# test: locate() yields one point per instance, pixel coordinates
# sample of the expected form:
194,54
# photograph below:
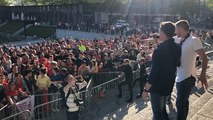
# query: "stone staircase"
3,24
202,109
22,29
201,105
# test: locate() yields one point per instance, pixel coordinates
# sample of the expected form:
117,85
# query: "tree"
49,2
209,4
3,2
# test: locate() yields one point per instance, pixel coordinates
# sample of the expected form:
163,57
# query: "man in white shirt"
140,55
186,72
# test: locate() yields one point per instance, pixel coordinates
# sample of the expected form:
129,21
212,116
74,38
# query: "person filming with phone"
71,94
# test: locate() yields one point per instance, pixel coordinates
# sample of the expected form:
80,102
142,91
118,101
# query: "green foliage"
40,31
209,3
4,38
55,2
3,2
11,27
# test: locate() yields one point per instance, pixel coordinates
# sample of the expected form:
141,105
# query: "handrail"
4,107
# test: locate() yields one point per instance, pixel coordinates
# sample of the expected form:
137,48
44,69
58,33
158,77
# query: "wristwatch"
146,90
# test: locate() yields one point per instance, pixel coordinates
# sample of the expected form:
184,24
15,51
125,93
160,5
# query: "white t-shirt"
188,58
139,56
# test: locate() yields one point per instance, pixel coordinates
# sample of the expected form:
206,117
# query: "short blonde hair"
183,24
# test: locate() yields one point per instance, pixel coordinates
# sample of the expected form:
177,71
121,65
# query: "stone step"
206,112
197,105
3,24
22,29
142,111
136,111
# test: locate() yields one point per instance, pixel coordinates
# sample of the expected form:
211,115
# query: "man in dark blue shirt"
165,60
127,69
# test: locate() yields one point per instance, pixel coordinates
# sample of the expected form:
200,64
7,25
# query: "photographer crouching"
71,95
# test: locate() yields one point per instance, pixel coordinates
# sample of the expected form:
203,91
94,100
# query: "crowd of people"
44,68
51,66
108,28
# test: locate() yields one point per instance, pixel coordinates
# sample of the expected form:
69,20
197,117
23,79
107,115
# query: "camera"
78,102
78,79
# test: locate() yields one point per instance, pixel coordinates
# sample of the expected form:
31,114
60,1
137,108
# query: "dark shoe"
119,96
138,96
129,101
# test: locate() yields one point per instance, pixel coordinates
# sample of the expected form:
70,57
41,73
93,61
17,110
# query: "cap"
64,69
84,61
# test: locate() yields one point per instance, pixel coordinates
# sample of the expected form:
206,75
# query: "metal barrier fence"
102,77
43,111
23,115
3,112
42,98
54,109
207,47
102,90
7,111
101,86
210,55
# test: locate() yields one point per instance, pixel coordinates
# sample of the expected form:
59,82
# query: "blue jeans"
159,107
183,91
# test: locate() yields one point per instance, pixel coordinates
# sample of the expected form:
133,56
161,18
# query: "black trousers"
159,106
72,115
183,91
129,87
142,82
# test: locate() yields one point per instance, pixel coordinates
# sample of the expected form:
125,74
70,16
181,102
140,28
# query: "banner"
26,104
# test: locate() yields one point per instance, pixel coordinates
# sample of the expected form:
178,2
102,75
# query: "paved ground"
140,110
60,33
80,35
113,108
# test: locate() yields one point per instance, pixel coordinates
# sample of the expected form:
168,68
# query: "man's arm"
204,59
153,74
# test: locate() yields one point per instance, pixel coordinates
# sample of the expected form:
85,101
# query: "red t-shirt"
45,62
20,86
13,93
50,72
4,83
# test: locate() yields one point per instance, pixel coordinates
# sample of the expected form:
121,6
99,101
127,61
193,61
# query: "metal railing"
54,109
39,97
45,110
8,110
23,115
102,77
207,47
3,111
102,90
210,55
